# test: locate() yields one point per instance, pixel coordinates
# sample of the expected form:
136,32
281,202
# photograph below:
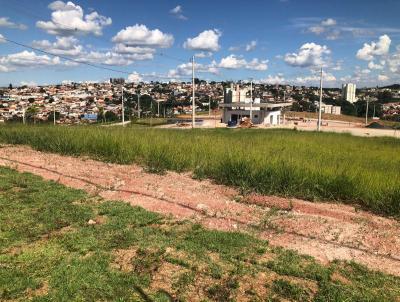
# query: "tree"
111,116
31,113
385,96
10,86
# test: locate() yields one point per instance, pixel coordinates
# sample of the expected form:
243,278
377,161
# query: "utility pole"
209,105
158,108
251,100
123,106
193,96
23,115
138,100
54,114
320,104
366,114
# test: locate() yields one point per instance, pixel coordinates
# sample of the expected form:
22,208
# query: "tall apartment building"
349,92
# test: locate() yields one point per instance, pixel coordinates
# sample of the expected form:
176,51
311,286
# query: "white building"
237,106
349,92
330,109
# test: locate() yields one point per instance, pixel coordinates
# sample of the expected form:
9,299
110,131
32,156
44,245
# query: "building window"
256,116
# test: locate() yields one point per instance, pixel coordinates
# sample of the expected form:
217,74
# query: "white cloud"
234,48
383,78
203,54
185,69
4,68
273,80
112,58
372,65
29,83
251,46
369,51
134,77
314,79
328,22
177,11
208,40
234,62
124,49
394,61
27,59
68,19
66,46
325,27
309,55
5,22
140,35
2,39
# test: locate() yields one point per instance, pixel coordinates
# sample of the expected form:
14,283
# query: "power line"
82,62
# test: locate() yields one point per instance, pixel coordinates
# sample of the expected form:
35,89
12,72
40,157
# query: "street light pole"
209,105
54,114
23,115
366,114
123,106
320,104
138,100
251,100
193,96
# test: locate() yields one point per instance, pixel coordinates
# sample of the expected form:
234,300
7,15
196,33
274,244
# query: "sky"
269,41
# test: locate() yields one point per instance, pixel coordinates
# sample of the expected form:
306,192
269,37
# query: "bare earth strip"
324,230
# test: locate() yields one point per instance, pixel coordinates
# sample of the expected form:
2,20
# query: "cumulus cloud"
394,61
328,22
68,19
325,27
28,83
372,65
309,55
112,58
177,11
314,79
383,78
140,35
203,54
185,69
273,80
68,46
124,49
2,39
134,77
27,59
369,51
234,62
5,22
208,40
251,46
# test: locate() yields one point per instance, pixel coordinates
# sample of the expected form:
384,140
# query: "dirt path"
325,231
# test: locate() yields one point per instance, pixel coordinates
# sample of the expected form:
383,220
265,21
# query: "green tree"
31,113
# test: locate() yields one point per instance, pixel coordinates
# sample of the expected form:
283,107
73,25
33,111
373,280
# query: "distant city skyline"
272,42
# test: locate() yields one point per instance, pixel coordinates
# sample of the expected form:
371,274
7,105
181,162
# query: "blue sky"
271,41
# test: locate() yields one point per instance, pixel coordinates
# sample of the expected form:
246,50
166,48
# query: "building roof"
255,105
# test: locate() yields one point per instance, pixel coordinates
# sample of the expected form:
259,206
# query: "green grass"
312,166
48,252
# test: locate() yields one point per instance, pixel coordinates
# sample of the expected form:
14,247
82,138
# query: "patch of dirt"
338,277
123,259
326,231
39,292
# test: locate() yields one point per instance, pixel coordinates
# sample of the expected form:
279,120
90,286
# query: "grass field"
342,118
49,252
312,166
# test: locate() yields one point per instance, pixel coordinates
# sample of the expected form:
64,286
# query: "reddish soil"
326,231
